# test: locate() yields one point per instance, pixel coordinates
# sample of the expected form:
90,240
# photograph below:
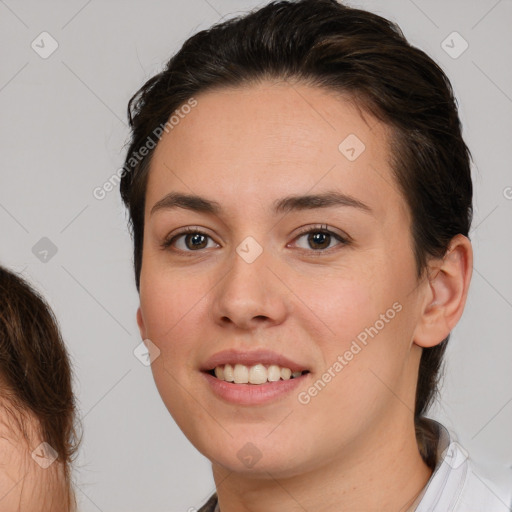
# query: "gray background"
62,134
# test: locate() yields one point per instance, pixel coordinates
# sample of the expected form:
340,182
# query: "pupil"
195,237
316,240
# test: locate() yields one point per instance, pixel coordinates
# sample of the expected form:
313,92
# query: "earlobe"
140,323
448,284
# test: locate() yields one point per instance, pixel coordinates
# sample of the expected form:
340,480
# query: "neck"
385,475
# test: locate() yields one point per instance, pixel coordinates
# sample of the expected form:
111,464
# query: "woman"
38,434
300,198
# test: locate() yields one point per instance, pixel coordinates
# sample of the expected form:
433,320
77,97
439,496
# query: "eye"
193,240
319,238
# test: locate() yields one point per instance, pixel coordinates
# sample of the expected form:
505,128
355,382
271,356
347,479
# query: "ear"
446,293
140,323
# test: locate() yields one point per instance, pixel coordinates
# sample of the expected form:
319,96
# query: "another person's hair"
344,50
36,399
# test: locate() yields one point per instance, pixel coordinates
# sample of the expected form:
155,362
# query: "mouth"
253,378
257,374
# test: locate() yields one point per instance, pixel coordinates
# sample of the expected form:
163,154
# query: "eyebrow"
290,203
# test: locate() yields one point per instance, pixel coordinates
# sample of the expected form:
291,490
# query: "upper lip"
250,358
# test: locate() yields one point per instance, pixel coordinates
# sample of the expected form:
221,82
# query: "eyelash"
324,229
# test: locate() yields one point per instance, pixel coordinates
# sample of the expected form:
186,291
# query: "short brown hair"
327,44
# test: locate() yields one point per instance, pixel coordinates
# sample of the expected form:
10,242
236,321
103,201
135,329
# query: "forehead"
257,143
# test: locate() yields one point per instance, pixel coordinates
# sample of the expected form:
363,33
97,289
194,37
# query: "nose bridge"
249,289
248,279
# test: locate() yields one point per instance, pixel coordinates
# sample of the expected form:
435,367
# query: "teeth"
273,373
241,374
228,373
256,374
286,373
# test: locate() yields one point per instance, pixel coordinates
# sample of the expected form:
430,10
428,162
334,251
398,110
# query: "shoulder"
457,486
479,493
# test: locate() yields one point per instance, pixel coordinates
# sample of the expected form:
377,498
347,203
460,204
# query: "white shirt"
455,486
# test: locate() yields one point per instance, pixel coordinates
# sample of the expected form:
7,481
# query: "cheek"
166,299
361,328
344,302
170,305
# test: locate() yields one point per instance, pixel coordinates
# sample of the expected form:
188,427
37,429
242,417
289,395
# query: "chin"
263,468
260,456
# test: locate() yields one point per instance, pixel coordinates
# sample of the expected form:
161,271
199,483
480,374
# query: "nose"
251,294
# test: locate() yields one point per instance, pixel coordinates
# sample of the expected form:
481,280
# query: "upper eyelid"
323,227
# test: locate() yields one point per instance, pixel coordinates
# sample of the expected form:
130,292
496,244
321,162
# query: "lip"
253,394
265,357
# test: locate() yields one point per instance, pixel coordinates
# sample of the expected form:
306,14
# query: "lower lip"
253,394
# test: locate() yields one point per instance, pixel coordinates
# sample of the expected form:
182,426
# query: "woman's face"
252,286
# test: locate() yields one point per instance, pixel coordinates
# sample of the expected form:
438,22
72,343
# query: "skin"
352,447
24,484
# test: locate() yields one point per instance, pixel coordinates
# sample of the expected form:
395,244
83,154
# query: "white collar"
454,485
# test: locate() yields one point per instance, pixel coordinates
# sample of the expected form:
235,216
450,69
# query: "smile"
256,374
